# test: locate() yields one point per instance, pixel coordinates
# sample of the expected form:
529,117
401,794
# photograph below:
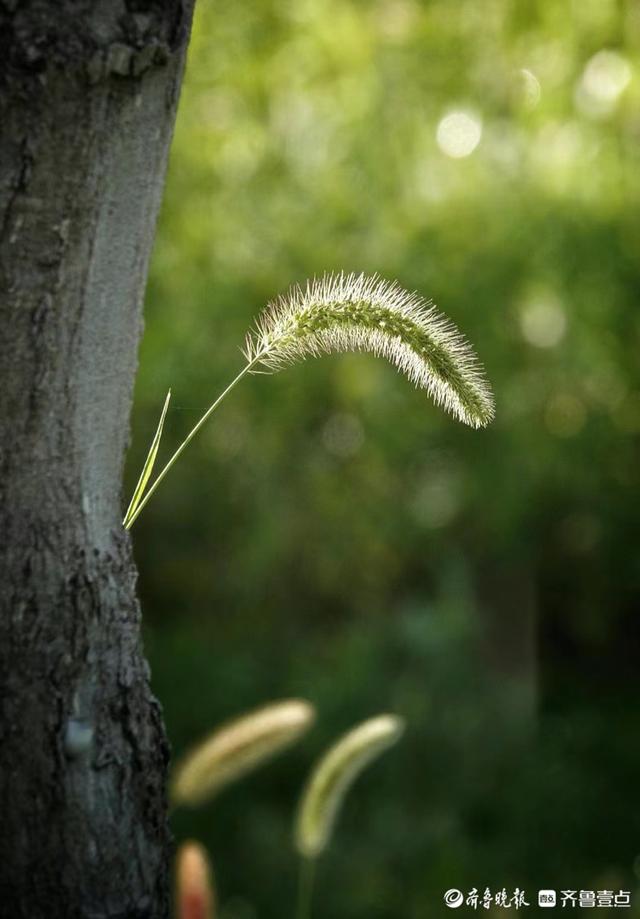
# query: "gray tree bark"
88,92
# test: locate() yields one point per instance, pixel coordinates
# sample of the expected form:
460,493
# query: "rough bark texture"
88,90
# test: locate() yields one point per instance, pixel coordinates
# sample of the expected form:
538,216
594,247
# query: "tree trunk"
88,92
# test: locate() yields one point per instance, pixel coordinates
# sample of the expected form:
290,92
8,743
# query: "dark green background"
331,534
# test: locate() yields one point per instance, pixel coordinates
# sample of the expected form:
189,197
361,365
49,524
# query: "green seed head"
357,313
238,748
334,775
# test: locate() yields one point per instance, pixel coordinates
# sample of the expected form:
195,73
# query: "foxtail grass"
326,789
195,898
349,312
333,776
237,748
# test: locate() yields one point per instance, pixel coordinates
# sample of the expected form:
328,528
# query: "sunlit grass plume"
237,748
334,775
349,312
326,789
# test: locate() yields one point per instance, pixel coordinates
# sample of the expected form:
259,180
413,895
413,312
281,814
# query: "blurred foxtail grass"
327,788
195,895
237,748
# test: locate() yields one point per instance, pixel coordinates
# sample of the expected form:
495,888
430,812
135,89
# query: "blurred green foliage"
331,534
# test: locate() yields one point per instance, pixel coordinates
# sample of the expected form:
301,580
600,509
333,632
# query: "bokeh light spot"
604,79
396,19
543,322
529,90
438,499
458,134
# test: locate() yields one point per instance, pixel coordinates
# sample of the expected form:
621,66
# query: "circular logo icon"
453,898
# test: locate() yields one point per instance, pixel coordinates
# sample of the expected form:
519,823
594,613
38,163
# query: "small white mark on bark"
16,228
119,59
78,737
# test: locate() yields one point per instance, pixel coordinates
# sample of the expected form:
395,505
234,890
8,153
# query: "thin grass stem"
306,877
130,520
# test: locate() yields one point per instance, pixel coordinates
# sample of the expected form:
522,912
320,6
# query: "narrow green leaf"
147,469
